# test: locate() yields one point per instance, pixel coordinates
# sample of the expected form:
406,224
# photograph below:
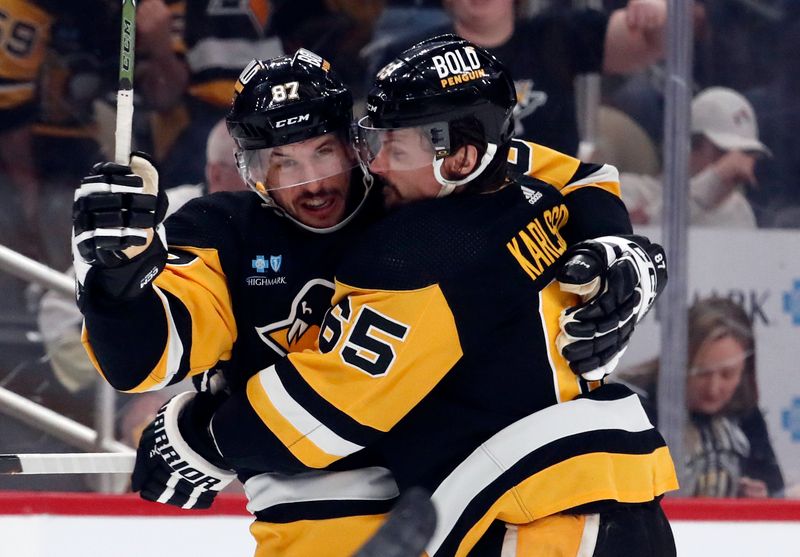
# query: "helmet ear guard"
449,185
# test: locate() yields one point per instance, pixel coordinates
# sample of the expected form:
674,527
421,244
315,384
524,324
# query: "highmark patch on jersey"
300,329
267,270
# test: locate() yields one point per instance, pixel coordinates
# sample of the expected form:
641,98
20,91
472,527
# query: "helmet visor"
296,164
403,148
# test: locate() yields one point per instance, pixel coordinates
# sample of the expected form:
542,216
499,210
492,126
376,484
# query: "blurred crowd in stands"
58,81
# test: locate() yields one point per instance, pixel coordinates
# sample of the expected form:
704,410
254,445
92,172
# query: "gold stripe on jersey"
627,478
202,288
583,431
23,40
543,163
218,92
429,349
606,178
416,362
333,537
552,301
578,481
90,351
560,170
309,440
168,363
12,96
559,534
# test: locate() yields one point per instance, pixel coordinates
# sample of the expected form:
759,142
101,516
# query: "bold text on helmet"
462,78
455,62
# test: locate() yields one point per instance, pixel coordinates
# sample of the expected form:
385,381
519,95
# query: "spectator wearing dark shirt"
546,52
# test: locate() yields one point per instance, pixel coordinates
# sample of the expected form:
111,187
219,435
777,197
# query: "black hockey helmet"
434,83
285,101
288,99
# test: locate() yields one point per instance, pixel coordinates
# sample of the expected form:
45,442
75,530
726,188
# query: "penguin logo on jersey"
300,330
528,101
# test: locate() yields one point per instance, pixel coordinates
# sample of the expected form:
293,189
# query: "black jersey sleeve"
591,191
185,323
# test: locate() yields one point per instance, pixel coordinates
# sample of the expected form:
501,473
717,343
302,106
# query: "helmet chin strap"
449,185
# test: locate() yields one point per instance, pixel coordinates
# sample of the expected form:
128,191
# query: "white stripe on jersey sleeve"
510,445
174,343
365,484
604,174
315,431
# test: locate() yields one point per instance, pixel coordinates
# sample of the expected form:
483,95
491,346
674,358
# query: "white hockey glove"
169,468
117,237
618,279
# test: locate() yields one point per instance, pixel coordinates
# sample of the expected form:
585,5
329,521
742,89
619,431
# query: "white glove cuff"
176,451
644,266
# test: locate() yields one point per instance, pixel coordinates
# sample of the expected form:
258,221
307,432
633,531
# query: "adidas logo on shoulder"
530,195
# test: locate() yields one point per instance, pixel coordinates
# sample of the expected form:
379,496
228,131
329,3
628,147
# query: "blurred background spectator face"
221,171
721,377
722,121
486,14
715,374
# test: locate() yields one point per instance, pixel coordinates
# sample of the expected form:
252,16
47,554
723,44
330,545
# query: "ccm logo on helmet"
457,66
292,120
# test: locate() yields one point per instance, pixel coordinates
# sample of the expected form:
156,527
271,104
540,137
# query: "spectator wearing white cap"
725,147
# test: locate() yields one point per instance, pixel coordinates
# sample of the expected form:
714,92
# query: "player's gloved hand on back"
117,230
618,279
173,461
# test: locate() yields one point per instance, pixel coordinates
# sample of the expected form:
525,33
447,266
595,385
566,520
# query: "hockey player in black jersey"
191,288
232,283
441,353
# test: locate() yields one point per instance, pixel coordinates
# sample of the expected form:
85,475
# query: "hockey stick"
408,529
67,463
127,45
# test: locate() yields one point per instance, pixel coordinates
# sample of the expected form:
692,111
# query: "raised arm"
151,318
635,37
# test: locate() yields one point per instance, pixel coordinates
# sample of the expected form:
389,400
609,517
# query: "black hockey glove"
169,467
117,237
618,278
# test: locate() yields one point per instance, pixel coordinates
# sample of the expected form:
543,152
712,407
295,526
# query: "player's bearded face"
403,159
310,179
